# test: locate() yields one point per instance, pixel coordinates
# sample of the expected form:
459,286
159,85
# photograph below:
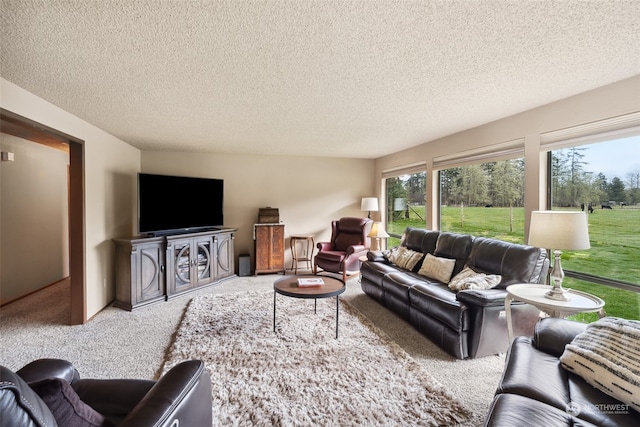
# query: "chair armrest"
42,369
181,397
354,249
551,334
482,297
325,246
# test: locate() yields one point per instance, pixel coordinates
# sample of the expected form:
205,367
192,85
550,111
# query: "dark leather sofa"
536,390
181,397
469,323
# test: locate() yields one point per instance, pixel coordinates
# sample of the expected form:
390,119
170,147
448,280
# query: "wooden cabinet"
140,273
192,261
269,248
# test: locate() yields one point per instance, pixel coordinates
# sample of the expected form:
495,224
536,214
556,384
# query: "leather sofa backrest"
421,240
455,246
514,262
20,405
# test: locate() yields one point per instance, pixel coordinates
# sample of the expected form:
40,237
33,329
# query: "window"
602,179
484,199
405,204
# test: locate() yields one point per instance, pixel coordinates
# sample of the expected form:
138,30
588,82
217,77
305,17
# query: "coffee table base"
315,310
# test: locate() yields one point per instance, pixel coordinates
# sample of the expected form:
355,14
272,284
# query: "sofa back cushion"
20,405
455,246
515,263
420,240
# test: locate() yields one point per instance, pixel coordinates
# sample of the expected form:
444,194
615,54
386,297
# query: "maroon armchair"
348,243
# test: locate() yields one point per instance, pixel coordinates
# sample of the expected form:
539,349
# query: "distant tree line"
501,184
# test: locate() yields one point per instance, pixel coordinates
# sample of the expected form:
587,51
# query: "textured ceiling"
313,78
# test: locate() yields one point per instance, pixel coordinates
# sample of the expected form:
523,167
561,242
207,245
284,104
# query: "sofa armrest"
551,334
376,256
42,369
181,397
482,297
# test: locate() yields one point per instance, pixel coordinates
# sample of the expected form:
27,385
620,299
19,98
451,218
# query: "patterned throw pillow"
469,279
404,258
606,356
437,268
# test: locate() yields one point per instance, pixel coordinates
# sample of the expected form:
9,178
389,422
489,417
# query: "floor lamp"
369,204
558,230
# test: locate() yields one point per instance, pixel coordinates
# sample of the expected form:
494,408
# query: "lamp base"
558,294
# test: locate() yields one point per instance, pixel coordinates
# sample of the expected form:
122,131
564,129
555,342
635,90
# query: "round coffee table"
288,286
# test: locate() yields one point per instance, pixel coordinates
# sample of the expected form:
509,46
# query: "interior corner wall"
309,192
110,168
34,233
606,102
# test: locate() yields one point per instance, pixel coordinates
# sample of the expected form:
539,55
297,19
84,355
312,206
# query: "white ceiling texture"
357,79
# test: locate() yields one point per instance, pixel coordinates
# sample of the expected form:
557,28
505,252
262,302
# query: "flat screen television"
172,204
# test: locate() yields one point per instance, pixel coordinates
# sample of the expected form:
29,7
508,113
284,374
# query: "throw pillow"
469,279
437,268
66,406
606,356
405,258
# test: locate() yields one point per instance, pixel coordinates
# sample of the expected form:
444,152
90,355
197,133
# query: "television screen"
178,203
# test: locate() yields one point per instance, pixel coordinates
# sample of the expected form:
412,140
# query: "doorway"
24,128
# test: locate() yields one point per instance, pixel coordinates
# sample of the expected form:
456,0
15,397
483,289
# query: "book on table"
308,282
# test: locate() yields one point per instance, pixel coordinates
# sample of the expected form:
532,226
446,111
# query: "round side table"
580,302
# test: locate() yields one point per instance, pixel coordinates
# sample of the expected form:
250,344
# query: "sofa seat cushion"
375,271
437,300
397,284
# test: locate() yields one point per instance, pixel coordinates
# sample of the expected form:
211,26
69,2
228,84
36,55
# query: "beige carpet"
301,374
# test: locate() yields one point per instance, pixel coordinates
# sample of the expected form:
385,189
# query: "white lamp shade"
369,204
559,230
378,231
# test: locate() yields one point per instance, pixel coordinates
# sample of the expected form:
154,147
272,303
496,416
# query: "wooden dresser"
269,248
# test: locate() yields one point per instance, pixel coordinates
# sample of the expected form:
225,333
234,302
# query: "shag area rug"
301,375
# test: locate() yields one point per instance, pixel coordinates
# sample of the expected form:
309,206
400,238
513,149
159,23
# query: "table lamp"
369,204
558,230
377,232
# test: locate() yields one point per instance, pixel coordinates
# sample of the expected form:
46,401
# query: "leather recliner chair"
349,241
181,397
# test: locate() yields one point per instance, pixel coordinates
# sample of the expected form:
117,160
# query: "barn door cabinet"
269,248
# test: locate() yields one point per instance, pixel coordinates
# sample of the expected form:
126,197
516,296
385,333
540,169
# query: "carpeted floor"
121,344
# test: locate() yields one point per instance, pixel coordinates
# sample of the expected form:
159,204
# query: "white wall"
34,233
109,187
309,192
610,101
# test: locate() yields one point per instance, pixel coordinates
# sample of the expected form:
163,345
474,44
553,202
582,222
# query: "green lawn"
614,253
